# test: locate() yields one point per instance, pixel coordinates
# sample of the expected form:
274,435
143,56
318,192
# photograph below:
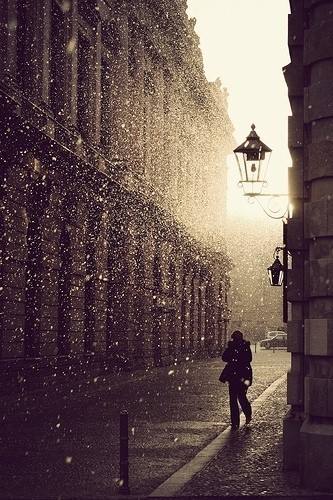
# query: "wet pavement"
249,462
64,442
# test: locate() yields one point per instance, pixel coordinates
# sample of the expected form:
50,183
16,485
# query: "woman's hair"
237,335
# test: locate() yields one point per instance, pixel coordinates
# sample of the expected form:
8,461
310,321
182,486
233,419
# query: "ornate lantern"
252,158
276,270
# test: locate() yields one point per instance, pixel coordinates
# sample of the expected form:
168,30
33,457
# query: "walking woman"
238,373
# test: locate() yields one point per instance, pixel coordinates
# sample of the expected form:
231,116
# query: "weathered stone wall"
111,141
308,427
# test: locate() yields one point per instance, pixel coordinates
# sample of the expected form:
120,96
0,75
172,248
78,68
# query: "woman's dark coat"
238,356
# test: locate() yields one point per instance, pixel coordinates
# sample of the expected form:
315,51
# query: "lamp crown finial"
253,126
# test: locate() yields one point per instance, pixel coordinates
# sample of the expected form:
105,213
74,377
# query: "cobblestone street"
251,463
66,443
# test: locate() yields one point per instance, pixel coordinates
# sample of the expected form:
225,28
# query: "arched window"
57,60
118,341
157,273
192,313
200,316
22,43
157,320
38,199
139,292
183,311
91,279
2,245
106,117
172,335
64,292
89,294
33,288
83,82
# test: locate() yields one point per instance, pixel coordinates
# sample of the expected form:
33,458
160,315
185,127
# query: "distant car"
272,334
279,339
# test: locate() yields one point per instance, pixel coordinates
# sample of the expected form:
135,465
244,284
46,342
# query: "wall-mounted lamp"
276,270
252,158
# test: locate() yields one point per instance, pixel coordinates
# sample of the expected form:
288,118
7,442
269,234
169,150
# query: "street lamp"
252,158
276,270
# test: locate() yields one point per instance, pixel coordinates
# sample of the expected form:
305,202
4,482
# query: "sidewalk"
247,462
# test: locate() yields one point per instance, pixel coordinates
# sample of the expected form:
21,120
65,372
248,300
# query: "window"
21,45
106,127
89,289
33,288
64,292
57,63
83,93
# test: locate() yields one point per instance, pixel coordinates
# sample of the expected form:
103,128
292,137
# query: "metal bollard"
123,455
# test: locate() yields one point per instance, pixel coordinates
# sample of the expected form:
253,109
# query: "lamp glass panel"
275,276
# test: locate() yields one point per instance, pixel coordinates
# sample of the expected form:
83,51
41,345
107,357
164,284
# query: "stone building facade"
308,427
113,189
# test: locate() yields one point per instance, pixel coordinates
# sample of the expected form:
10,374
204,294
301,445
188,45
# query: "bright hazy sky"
244,43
